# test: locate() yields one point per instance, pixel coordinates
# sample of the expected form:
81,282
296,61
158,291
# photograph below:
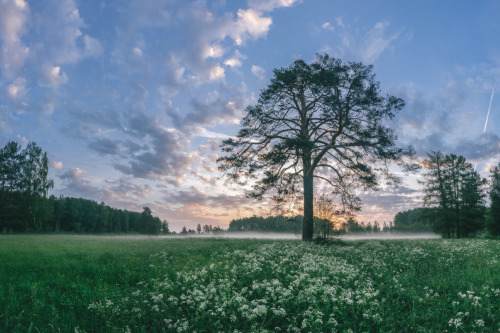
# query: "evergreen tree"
325,121
149,224
184,231
493,216
456,191
24,187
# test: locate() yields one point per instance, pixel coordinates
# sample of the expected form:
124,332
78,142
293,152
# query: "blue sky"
130,99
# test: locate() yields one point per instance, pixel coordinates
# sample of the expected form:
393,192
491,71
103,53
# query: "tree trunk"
308,224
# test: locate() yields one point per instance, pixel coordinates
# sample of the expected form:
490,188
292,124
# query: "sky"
131,98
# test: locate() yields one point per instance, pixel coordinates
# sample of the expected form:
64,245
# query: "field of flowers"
374,286
209,285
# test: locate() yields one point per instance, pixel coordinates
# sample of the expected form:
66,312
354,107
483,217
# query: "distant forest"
322,227
75,215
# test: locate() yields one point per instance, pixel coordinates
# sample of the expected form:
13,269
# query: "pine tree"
493,216
323,122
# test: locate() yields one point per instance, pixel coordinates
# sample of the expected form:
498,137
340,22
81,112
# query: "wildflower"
457,322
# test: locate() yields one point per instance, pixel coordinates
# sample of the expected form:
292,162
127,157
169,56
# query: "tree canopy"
455,189
23,184
324,121
493,216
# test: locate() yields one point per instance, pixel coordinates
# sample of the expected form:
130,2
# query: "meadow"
51,283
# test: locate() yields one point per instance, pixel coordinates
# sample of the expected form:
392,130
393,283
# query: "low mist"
275,235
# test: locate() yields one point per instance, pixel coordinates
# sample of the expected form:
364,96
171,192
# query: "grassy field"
113,284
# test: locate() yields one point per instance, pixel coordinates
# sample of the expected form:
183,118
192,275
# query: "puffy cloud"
213,51
268,5
235,60
57,165
13,19
165,155
250,24
61,28
125,188
76,185
327,26
259,72
52,76
210,74
74,173
17,89
218,107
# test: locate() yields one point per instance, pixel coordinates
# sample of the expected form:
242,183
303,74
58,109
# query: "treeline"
455,193
322,227
77,215
206,229
26,207
413,220
267,224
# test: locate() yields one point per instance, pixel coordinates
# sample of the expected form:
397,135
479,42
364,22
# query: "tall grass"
102,284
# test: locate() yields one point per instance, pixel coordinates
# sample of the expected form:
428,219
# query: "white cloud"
376,42
13,18
213,51
216,73
62,28
203,132
259,72
327,26
52,76
233,62
213,73
268,5
250,24
57,165
17,89
137,52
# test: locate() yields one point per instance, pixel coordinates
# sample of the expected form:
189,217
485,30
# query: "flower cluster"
303,287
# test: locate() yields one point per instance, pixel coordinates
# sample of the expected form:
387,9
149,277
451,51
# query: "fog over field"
271,235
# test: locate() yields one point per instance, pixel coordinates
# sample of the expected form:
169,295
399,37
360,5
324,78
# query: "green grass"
113,284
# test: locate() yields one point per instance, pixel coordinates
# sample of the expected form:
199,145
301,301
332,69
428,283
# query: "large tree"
324,121
493,217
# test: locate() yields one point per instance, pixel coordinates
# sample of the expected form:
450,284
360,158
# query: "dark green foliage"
455,191
24,187
150,224
267,224
323,228
86,216
493,216
26,207
324,122
414,220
